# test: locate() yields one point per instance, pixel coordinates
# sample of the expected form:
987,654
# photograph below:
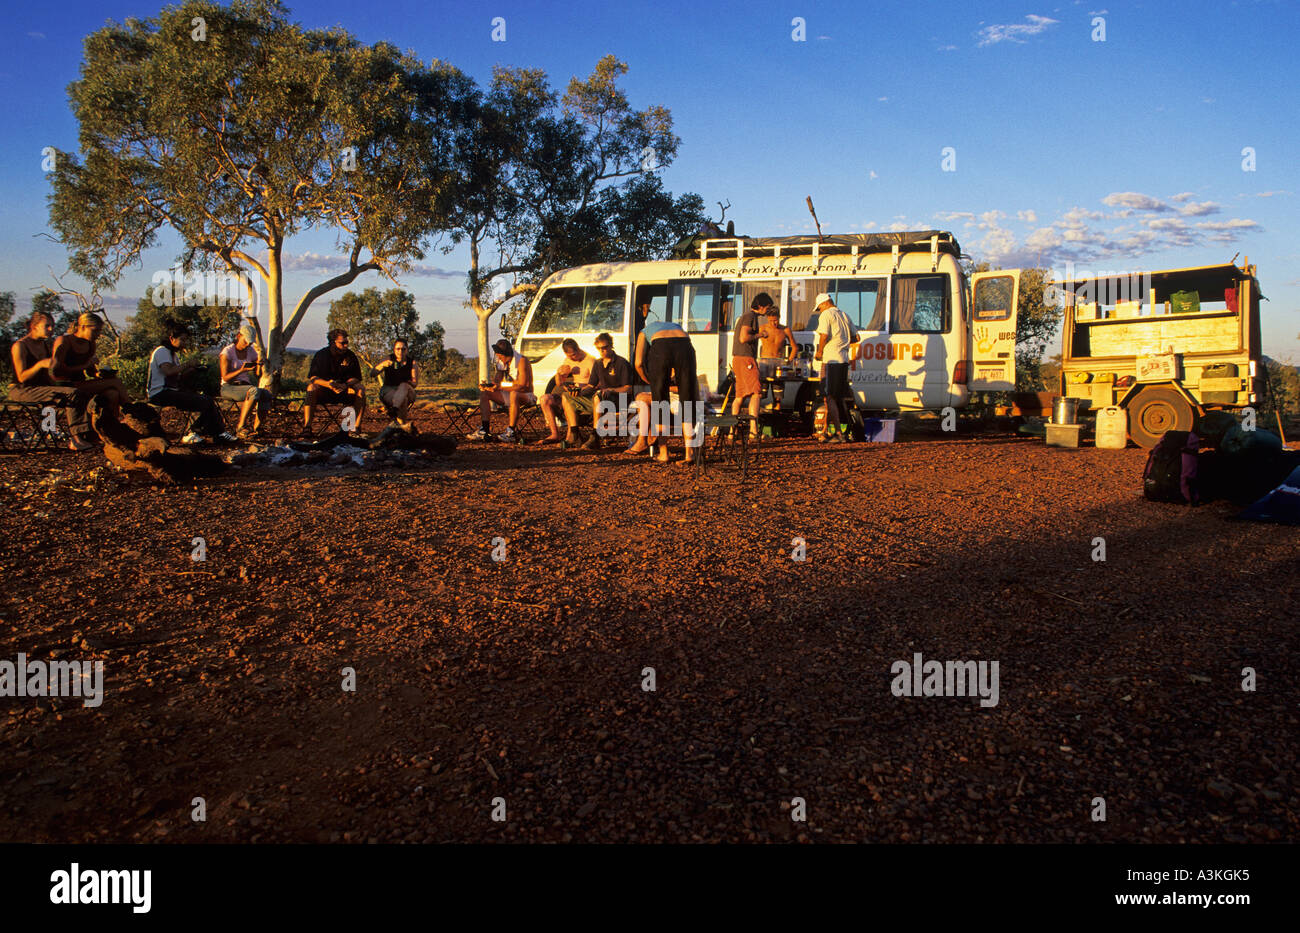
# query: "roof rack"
857,245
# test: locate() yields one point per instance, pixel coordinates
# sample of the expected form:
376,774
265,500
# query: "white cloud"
1237,223
1132,199
1044,238
882,99
318,264
1199,210
947,48
1076,234
1183,196
1014,32
1269,194
36,35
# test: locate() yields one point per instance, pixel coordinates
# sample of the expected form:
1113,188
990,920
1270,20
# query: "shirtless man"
773,337
575,372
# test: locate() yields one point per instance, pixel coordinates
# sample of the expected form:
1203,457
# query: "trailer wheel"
1156,410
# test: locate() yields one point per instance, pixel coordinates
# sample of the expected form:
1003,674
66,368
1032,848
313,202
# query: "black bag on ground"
1171,471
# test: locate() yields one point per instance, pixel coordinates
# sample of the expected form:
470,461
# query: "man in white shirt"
165,372
835,336
512,387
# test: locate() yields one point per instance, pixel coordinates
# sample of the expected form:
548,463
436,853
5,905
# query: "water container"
1112,427
1065,410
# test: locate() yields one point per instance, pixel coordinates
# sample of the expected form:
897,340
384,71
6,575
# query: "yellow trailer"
1163,345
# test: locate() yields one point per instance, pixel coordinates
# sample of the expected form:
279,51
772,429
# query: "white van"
924,347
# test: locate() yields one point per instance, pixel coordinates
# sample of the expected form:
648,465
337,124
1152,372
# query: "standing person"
335,376
512,386
33,358
835,335
164,387
744,359
664,356
575,372
776,344
240,365
400,377
74,362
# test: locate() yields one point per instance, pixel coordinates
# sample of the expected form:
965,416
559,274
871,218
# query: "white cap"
821,296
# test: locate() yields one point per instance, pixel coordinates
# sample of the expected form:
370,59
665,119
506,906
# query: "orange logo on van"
892,351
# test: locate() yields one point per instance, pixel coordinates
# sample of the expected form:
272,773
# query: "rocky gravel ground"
518,685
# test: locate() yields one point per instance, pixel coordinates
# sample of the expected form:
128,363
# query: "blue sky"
1120,154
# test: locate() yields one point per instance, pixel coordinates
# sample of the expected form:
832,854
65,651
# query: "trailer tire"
1155,410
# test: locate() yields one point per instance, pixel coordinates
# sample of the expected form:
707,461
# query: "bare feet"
637,448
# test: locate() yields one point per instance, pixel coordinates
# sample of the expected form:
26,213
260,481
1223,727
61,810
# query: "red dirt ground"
522,679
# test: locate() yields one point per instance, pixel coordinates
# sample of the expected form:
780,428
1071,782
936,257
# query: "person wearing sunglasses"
335,377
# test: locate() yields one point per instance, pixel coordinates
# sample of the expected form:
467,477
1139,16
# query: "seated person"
164,388
335,376
400,376
512,386
74,362
240,365
33,358
610,381
568,376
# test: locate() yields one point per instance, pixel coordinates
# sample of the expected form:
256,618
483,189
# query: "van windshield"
579,309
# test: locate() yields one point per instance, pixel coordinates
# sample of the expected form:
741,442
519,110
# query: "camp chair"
21,426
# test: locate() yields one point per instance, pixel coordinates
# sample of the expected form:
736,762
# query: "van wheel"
1155,411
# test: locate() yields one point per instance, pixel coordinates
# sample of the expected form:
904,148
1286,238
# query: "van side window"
579,309
920,305
802,293
860,300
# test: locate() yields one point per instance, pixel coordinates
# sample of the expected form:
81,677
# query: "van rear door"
994,298
695,305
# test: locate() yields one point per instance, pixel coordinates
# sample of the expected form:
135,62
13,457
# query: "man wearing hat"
240,365
511,386
835,335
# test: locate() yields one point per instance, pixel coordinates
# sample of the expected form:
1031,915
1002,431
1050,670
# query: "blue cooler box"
879,430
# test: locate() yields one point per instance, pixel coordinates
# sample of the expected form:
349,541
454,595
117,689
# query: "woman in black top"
400,377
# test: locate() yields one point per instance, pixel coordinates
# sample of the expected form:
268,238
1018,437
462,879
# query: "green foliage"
210,325
1036,324
1283,392
550,182
240,141
374,320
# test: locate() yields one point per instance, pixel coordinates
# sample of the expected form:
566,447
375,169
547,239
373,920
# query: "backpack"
1171,471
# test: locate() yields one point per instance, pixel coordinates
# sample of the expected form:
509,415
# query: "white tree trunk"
484,352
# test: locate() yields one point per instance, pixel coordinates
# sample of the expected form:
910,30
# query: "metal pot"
1065,410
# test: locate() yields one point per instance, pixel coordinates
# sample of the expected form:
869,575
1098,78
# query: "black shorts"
836,385
330,397
672,360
